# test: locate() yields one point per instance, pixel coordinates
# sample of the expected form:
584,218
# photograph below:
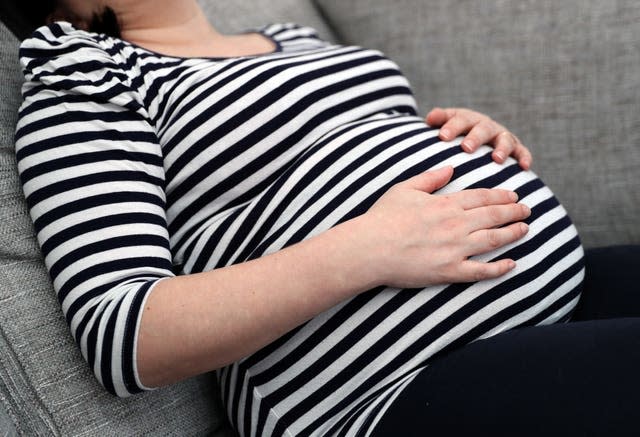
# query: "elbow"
154,363
114,384
107,337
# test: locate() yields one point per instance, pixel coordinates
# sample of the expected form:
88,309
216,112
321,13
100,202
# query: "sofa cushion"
564,76
7,429
235,16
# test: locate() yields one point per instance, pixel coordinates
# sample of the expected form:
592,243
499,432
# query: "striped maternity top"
138,166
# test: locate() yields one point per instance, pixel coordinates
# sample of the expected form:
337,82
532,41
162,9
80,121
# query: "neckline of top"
259,31
277,48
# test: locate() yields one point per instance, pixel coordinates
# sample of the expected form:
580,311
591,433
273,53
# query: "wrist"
354,252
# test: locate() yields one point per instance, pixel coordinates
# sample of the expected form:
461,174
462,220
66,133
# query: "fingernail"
467,145
444,133
524,227
513,196
512,264
500,156
526,209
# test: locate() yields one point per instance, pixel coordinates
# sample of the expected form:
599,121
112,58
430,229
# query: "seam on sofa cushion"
24,407
7,420
328,22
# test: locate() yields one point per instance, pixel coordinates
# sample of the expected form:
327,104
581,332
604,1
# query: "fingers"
453,121
488,217
479,129
507,144
430,181
459,121
472,271
469,199
523,155
437,117
486,240
483,132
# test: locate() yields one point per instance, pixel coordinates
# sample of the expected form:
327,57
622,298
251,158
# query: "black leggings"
572,379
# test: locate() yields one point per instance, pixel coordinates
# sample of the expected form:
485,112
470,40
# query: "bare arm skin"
197,323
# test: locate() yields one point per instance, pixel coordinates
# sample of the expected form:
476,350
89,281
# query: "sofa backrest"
563,75
234,16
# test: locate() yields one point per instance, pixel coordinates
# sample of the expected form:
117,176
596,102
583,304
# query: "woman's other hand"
417,239
479,129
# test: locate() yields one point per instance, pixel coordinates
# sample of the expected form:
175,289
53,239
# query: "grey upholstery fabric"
563,75
235,16
6,425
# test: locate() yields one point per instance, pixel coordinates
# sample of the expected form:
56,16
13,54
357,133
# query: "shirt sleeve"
92,172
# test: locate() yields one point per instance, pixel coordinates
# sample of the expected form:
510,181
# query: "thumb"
432,180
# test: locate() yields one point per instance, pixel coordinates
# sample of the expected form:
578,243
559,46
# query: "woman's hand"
419,239
480,129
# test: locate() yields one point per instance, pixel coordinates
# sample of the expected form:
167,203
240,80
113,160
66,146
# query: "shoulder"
59,56
292,33
60,46
59,59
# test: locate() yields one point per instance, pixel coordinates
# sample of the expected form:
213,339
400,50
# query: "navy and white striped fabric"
138,166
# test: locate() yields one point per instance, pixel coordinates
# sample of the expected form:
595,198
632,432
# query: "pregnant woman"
270,205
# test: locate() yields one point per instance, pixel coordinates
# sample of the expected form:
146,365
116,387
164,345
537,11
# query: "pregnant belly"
349,169
346,171
370,343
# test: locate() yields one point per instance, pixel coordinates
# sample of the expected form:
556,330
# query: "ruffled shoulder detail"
293,34
63,58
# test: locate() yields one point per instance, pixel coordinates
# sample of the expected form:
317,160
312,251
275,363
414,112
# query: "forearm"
196,323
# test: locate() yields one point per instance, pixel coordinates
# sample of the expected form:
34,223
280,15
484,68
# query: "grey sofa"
564,76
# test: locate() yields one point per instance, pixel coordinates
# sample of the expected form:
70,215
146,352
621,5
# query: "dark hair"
22,17
106,23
